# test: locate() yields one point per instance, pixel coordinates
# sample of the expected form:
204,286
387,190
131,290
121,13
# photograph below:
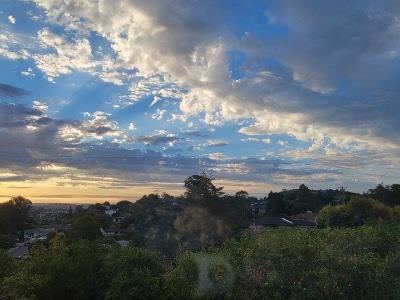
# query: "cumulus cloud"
301,95
326,77
67,56
132,126
34,147
13,46
40,106
11,19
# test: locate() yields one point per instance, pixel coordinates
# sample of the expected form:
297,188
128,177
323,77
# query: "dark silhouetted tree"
85,226
201,187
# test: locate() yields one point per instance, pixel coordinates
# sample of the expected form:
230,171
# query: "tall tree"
201,187
14,215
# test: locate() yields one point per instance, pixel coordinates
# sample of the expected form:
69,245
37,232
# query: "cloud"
99,125
282,143
132,126
11,91
214,143
40,106
196,133
301,95
34,147
11,19
159,138
159,114
67,56
253,139
28,72
266,141
319,72
14,46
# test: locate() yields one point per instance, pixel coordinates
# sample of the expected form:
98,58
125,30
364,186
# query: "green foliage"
14,215
136,273
358,211
124,206
290,202
331,263
389,195
181,281
200,188
72,271
276,204
242,194
6,265
345,263
305,264
85,226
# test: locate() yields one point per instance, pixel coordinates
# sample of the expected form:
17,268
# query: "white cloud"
40,106
132,126
188,45
159,114
10,45
28,72
159,137
95,126
266,141
218,156
67,56
11,19
282,143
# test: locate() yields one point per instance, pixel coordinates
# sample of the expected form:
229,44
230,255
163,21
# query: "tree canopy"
200,187
356,212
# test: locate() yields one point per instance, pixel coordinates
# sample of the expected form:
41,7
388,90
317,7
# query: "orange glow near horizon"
53,191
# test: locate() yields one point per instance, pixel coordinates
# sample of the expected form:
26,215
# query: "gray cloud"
214,143
336,66
11,91
196,133
31,153
331,75
158,139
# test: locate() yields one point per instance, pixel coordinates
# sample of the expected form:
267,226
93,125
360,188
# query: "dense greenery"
389,195
363,263
290,202
203,217
358,211
14,216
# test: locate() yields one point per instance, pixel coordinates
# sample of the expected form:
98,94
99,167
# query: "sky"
109,100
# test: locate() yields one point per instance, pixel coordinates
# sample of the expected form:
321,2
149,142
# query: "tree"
85,226
201,187
358,211
275,204
61,271
14,215
242,194
124,206
389,195
136,273
304,193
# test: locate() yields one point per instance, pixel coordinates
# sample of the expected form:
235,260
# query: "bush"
302,264
358,211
